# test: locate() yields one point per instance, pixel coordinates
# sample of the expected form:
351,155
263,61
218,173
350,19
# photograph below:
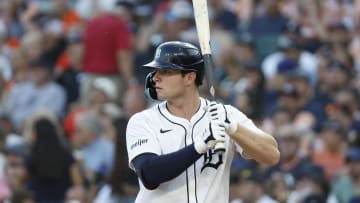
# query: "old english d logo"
212,160
158,53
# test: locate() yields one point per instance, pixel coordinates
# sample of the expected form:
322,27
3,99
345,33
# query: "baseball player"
171,145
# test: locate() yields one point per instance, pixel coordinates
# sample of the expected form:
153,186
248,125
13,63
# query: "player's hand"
216,133
218,112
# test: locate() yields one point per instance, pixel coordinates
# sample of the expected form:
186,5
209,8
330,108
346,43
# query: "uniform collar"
199,113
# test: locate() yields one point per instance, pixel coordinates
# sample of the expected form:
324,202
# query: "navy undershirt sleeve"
155,169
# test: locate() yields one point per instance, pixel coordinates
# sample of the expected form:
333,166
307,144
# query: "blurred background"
70,78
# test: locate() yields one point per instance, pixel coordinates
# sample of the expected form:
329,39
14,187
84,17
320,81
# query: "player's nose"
156,76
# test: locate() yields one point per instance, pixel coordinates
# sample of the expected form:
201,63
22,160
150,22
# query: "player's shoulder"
145,114
230,107
235,112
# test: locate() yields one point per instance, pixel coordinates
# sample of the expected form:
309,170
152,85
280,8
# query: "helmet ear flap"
150,91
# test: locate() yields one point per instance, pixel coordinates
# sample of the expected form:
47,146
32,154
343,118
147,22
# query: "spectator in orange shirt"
332,156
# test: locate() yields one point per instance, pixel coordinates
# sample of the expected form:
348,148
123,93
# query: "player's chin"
161,96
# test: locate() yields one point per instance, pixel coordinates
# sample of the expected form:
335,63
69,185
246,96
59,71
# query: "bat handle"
219,147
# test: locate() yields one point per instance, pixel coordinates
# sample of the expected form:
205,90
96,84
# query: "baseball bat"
203,31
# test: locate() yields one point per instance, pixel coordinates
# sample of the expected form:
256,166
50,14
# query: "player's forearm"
154,169
259,146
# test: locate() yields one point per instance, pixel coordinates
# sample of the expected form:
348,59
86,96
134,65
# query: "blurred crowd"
70,78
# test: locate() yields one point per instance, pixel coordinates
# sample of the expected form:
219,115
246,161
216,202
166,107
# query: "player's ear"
190,78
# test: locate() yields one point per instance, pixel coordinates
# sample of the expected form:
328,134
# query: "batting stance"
171,145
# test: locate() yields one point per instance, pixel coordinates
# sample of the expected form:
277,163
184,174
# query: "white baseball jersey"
157,131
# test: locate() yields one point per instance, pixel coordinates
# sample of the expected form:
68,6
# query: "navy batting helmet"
176,55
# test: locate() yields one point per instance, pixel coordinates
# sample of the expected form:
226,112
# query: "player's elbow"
270,156
150,185
274,157
273,153
142,169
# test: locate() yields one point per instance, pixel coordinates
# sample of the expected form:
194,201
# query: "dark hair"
121,174
48,154
199,76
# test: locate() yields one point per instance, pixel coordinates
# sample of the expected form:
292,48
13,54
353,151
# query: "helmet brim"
161,65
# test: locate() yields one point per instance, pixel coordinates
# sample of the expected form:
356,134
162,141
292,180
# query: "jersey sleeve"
140,138
237,116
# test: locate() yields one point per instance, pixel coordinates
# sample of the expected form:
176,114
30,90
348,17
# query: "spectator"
244,48
14,23
279,118
224,18
349,97
266,26
291,163
181,16
108,113
5,123
119,189
20,66
233,74
232,62
108,52
5,66
103,93
278,188
250,187
97,152
122,185
67,69
69,17
134,101
288,99
51,166
343,115
336,77
54,42
308,101
15,167
331,156
25,99
173,20
311,187
250,90
294,57
32,43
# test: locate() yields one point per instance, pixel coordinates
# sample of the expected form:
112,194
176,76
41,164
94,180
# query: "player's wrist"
200,147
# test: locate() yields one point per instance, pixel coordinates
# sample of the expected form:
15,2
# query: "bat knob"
219,147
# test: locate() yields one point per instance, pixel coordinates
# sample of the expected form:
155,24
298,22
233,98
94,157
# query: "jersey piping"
186,172
192,138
